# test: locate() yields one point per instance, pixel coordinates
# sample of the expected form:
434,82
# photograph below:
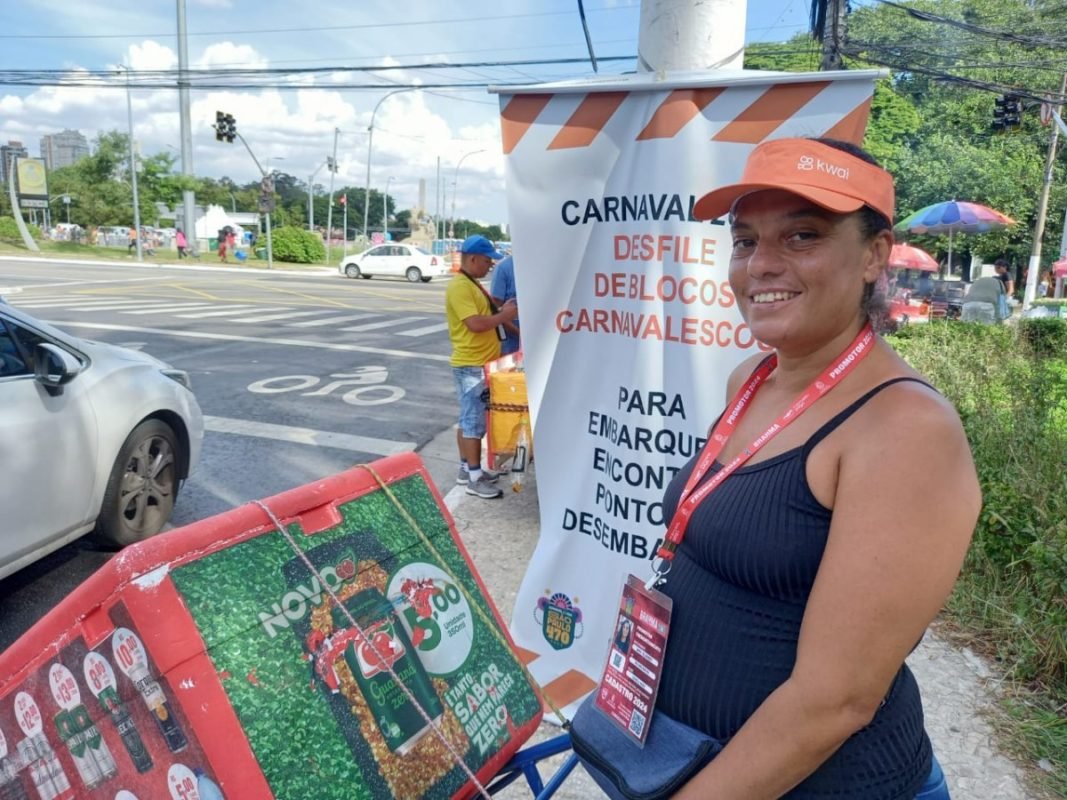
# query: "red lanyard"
690,499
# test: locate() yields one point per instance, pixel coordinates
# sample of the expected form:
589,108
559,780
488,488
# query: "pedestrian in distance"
223,241
809,570
502,289
475,328
132,241
1000,267
181,243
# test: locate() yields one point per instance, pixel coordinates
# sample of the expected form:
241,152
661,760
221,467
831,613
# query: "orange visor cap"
828,177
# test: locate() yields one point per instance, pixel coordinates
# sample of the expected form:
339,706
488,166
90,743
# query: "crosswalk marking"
423,331
284,315
170,307
389,323
229,312
76,302
318,323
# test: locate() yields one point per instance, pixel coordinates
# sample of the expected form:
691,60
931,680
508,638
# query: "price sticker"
128,651
182,783
98,674
28,714
64,688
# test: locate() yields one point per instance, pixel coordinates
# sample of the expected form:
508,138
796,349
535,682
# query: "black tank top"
740,583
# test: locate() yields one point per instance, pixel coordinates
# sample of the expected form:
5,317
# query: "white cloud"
229,55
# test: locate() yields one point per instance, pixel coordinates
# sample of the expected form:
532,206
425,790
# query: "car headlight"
180,376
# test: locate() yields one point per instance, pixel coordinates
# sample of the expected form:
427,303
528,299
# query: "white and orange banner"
630,328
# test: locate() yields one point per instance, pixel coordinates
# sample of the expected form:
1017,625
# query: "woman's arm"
905,507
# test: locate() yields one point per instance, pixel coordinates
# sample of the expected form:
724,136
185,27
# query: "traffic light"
1007,112
331,164
225,127
1013,111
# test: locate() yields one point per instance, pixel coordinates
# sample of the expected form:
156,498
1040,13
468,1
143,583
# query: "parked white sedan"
398,260
91,436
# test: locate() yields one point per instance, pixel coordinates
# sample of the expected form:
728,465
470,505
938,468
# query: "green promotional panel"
314,683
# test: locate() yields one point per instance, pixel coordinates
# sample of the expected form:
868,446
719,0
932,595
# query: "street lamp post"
370,150
311,197
455,179
133,167
329,209
385,209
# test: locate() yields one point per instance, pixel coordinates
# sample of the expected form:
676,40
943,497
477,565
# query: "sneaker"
483,488
463,476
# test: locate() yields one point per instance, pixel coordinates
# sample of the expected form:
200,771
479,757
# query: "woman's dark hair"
875,302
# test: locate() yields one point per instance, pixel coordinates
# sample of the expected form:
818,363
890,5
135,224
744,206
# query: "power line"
330,28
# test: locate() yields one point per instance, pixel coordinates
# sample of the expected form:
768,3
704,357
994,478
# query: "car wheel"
142,487
414,274
352,271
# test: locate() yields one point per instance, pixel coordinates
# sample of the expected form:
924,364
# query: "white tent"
213,220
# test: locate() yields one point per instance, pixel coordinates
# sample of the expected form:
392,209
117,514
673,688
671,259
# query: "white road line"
318,323
83,283
389,323
287,433
74,302
455,494
228,312
284,315
428,329
154,304
179,307
229,337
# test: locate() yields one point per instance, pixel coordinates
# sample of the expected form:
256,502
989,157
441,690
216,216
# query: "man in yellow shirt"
475,325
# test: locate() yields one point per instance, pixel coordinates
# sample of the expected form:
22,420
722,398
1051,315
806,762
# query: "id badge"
501,333
630,682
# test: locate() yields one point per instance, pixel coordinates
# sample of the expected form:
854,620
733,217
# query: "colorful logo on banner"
560,620
612,269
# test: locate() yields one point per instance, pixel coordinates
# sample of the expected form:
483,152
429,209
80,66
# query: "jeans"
470,383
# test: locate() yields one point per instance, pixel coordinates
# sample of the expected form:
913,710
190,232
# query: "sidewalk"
184,266
958,688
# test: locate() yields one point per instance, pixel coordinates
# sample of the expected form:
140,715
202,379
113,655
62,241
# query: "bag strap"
492,306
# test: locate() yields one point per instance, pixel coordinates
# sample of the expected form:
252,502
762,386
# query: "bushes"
9,230
296,245
1010,386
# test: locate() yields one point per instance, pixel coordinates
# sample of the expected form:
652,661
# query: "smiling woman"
807,550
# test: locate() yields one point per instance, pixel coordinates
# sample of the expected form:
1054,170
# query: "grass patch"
86,252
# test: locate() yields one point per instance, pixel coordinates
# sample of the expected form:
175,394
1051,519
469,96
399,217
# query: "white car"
91,436
400,260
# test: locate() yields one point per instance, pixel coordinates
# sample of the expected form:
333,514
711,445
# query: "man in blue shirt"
502,289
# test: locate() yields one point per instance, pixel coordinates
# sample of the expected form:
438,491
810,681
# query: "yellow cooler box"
508,409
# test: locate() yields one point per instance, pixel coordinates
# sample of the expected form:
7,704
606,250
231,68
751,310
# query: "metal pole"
344,226
270,245
1042,208
133,169
311,212
685,35
385,209
370,150
455,179
437,202
329,211
263,172
188,196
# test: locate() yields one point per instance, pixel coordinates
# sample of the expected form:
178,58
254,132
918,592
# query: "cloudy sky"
291,129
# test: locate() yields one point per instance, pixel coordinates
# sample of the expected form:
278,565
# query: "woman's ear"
879,248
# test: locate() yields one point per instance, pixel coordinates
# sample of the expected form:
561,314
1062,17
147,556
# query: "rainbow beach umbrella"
952,217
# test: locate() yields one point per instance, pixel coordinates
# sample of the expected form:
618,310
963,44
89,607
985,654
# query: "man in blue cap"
475,327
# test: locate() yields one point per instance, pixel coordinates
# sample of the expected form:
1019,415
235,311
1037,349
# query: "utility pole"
1042,204
188,196
833,36
133,170
686,35
329,211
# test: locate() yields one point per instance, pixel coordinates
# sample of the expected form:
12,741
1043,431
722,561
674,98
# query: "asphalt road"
298,377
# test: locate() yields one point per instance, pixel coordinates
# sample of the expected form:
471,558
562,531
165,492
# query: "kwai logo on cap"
810,163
